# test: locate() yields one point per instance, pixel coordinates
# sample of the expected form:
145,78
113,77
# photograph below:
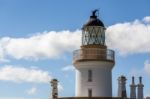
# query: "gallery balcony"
93,54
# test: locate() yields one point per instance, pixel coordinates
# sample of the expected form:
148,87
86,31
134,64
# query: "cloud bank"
21,74
130,37
26,75
127,38
44,45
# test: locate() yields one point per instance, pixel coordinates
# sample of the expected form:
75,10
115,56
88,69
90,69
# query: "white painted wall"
101,84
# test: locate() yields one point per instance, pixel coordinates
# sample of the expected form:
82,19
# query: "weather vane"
95,11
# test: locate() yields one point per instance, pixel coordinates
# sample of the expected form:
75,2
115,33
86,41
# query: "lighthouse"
93,61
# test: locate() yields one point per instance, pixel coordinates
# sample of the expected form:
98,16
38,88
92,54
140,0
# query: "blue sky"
37,38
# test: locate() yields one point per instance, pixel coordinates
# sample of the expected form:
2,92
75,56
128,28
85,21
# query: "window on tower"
89,75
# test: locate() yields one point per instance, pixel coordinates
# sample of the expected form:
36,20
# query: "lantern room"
93,32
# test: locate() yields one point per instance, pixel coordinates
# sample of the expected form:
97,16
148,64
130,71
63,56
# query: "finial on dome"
94,13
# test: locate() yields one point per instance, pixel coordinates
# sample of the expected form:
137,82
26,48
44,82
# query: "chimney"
54,85
122,87
140,89
133,89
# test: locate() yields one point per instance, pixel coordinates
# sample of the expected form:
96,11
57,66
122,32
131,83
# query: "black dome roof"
94,21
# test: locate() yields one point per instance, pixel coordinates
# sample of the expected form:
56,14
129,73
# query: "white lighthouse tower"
93,62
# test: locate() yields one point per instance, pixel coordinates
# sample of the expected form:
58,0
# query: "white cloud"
21,74
146,19
2,59
68,68
147,66
141,71
32,91
28,75
44,45
129,37
60,87
12,98
126,38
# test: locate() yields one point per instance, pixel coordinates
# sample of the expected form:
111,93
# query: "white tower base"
101,84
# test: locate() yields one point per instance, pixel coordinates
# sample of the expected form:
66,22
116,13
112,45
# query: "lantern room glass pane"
93,35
